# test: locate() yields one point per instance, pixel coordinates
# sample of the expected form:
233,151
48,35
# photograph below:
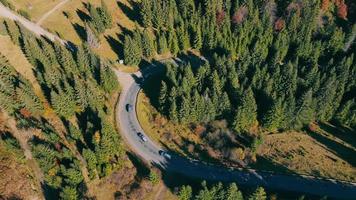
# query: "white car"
164,154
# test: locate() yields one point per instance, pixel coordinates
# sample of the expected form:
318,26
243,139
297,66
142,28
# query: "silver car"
164,154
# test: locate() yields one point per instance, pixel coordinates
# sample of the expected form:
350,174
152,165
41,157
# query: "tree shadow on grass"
83,16
131,13
267,164
116,46
338,149
345,134
80,31
142,169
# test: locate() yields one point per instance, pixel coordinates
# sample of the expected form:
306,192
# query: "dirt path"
38,30
160,192
47,14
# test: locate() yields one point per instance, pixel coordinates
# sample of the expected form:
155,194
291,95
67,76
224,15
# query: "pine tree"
162,97
304,113
105,15
197,39
246,112
162,43
132,52
90,158
173,115
148,49
63,104
96,20
274,117
108,79
68,193
173,42
233,193
146,13
13,31
259,194
185,193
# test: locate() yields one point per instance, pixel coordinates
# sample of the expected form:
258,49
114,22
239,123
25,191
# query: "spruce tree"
146,13
105,15
233,193
162,43
246,112
185,193
148,49
259,194
132,52
304,112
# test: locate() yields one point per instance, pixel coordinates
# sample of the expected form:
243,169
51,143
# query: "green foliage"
132,51
148,49
90,157
7,4
214,192
259,194
246,112
77,86
108,78
153,177
63,103
185,193
24,13
13,31
16,92
281,75
68,193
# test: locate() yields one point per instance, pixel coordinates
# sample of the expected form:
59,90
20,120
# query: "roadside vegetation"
272,68
274,89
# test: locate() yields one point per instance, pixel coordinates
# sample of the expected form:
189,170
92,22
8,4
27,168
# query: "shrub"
24,13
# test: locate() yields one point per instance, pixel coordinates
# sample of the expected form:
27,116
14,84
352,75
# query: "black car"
128,107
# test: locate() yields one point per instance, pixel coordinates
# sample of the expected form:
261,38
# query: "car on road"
164,154
128,107
142,137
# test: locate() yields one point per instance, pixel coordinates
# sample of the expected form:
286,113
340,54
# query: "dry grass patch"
16,178
35,8
301,153
71,27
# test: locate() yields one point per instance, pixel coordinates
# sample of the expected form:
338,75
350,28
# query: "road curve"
38,30
148,151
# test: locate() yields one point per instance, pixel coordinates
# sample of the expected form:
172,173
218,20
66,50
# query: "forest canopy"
278,64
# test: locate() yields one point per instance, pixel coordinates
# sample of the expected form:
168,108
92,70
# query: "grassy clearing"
306,153
67,24
317,153
35,8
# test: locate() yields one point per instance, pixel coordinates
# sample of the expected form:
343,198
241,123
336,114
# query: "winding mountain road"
148,151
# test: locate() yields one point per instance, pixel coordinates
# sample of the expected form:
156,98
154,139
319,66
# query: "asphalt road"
148,151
